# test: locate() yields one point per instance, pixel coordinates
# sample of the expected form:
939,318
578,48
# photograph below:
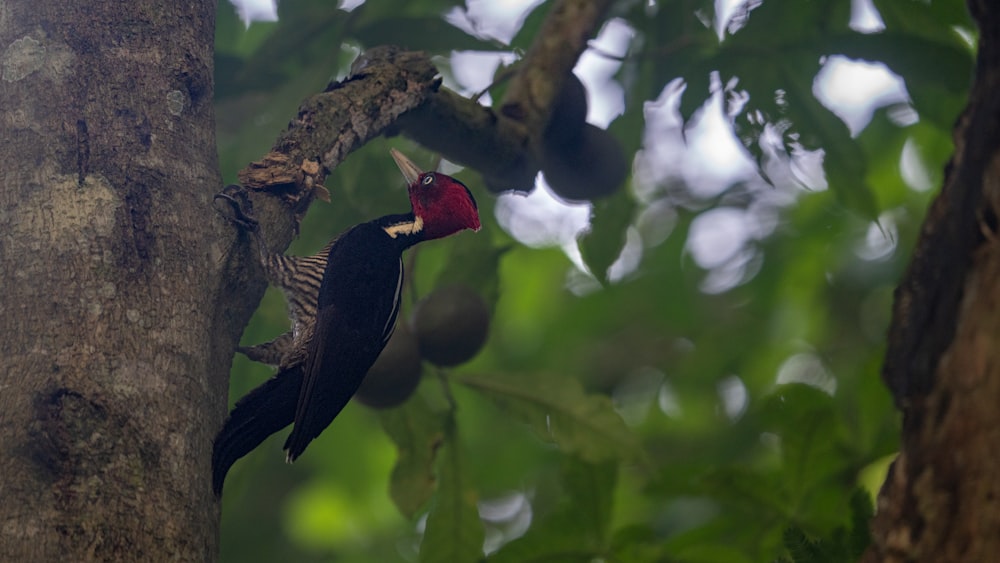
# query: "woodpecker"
343,303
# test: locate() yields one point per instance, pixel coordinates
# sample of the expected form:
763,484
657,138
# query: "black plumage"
356,310
343,304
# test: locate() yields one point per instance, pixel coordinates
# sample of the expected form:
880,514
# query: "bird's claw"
240,207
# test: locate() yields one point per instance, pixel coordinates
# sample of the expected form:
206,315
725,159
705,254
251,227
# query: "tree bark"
117,330
941,501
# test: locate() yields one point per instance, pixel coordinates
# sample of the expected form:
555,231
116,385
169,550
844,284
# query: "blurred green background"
687,370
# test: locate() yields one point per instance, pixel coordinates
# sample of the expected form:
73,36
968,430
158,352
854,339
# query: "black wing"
333,370
357,305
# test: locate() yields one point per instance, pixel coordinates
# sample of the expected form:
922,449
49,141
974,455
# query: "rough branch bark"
560,42
384,83
941,501
391,91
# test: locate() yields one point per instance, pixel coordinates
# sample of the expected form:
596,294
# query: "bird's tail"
262,412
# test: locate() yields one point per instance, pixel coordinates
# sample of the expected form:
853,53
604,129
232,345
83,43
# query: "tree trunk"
941,501
116,330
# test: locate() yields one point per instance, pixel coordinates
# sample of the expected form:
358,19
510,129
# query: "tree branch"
390,90
560,42
385,82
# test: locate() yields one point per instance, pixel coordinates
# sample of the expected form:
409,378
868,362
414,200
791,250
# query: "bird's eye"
428,180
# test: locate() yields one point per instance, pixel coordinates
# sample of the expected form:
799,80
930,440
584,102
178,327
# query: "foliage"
675,409
845,544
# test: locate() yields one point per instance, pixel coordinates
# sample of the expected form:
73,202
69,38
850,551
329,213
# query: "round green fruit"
395,374
569,113
518,178
451,324
591,167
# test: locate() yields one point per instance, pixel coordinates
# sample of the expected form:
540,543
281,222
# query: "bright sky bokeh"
704,154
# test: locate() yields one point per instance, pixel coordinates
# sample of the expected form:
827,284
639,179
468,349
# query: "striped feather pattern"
299,278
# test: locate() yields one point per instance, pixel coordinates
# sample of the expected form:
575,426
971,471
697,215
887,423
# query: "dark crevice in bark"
927,301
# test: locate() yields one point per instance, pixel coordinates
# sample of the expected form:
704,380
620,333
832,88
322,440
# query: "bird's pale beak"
410,171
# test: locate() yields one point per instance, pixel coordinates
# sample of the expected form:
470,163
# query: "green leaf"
601,245
802,549
418,433
633,119
578,529
529,29
775,26
474,261
841,544
304,35
937,74
862,511
701,544
232,37
454,531
590,488
697,90
551,541
807,422
933,20
844,162
429,33
712,554
638,543
559,411
678,45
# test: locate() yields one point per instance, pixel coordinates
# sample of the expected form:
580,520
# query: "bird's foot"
273,352
240,208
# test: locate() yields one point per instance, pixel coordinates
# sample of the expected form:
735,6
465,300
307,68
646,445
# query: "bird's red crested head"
444,205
